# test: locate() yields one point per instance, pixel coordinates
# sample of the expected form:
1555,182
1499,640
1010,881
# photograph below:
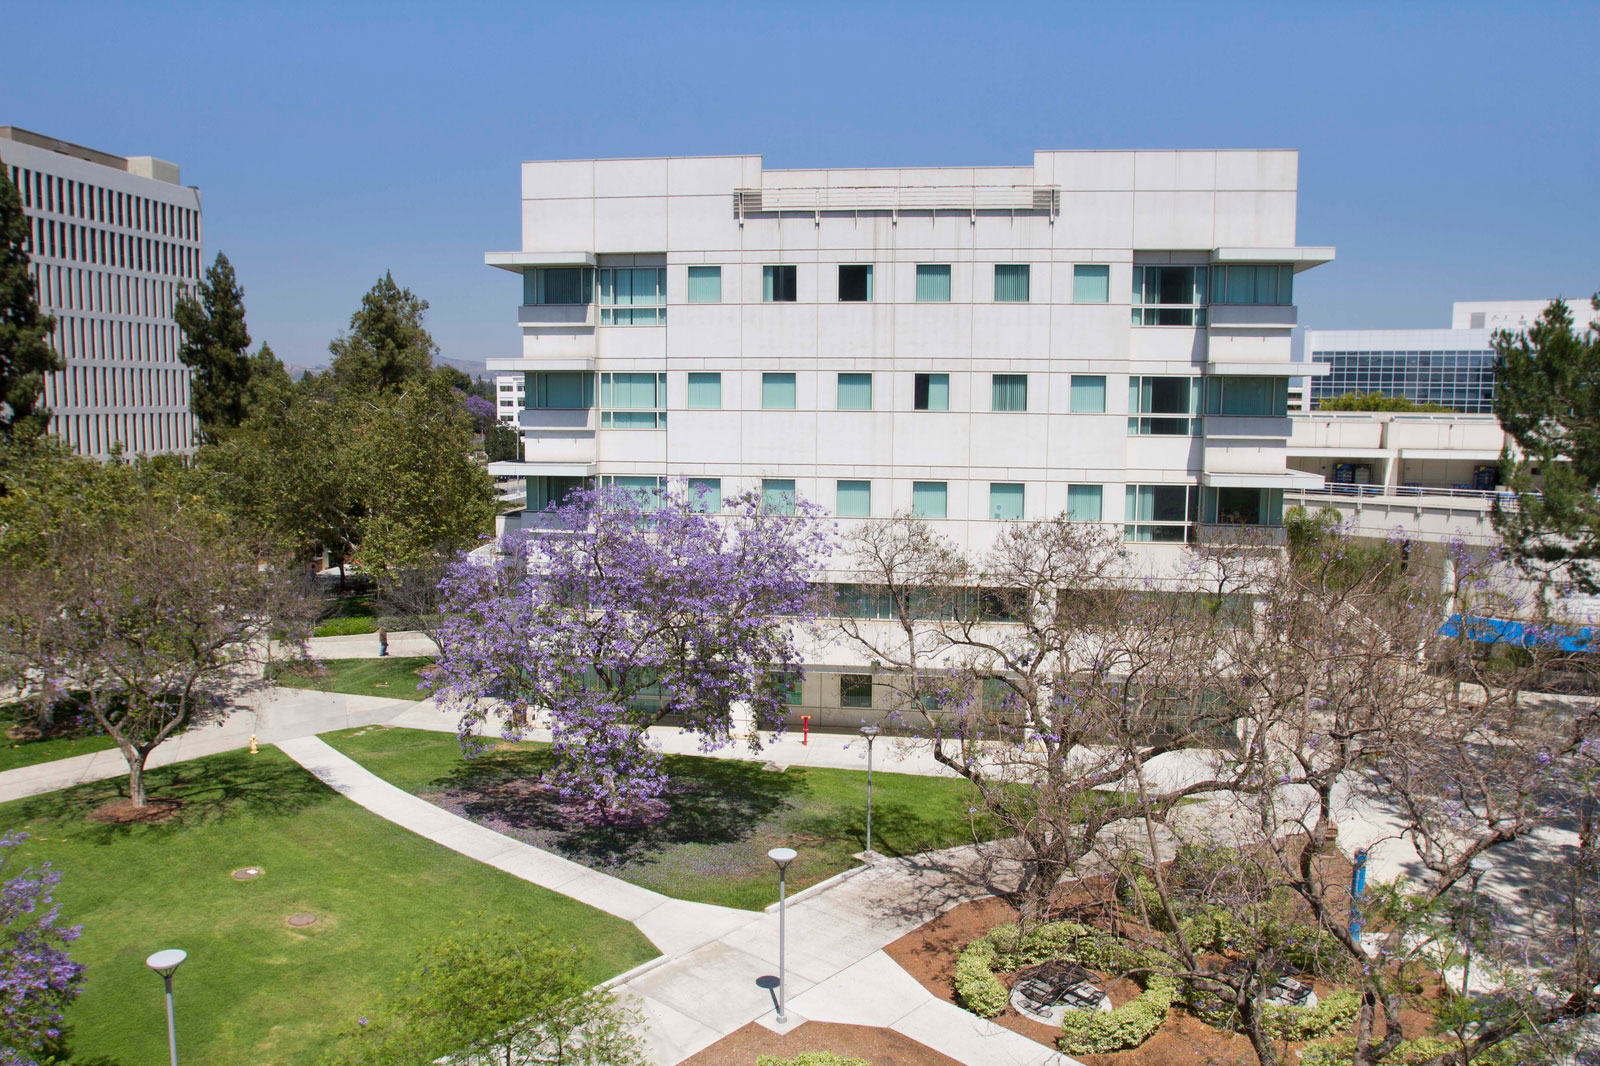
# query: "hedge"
812,1058
1409,1053
1082,1031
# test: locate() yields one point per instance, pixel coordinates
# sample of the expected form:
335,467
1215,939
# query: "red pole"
805,729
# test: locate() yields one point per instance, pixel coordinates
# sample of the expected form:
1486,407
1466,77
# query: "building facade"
508,390
114,241
1451,367
1105,334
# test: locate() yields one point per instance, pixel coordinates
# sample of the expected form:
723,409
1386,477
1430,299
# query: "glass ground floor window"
546,491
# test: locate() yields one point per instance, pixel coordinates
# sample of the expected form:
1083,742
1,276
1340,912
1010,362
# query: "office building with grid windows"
1451,367
1101,334
114,240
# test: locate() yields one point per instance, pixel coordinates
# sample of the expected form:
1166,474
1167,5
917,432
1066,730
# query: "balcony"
1247,427
566,420
1251,316
568,316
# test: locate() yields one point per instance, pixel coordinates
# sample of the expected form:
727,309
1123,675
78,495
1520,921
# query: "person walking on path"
383,641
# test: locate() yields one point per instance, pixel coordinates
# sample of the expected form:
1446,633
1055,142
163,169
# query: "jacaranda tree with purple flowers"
627,608
37,976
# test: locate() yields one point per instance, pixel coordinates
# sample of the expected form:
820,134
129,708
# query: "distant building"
114,241
1453,367
508,397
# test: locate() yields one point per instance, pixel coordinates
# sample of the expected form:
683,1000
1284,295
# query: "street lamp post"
783,857
871,733
1477,868
166,964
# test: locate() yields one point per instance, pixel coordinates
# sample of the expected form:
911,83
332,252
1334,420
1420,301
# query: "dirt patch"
122,811
880,1047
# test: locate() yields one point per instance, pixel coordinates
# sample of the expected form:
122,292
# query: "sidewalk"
365,646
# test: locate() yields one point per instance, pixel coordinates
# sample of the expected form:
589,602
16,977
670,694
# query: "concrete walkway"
719,965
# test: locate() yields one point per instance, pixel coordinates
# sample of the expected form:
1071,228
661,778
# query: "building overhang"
1270,370
517,262
1338,453
1293,480
1300,258
1475,454
534,366
516,469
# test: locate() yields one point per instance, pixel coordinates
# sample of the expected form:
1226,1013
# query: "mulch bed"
122,811
880,1047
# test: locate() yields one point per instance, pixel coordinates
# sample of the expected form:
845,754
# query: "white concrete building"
1105,334
508,390
114,240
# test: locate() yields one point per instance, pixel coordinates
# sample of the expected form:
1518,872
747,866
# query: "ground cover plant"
722,814
393,677
254,988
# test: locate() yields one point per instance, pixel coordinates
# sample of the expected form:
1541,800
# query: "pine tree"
25,352
386,345
268,377
216,350
1547,395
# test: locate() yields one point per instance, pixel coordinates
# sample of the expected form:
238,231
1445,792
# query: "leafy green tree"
386,345
493,993
216,350
1377,401
268,378
25,352
1547,396
502,443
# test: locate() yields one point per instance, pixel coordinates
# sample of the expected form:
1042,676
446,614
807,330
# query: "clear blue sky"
1449,150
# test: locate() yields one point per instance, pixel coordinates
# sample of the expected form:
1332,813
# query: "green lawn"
347,614
74,739
724,814
254,989
395,677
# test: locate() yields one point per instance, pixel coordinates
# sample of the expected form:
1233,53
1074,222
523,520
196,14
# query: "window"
777,495
853,499
558,285
1091,283
1159,513
855,284
777,392
1009,392
930,499
1011,283
705,390
1169,296
778,284
787,685
1085,503
705,494
1252,285
1242,507
705,285
930,392
559,389
933,284
645,489
855,392
1248,396
1088,394
1170,400
855,690
633,401
633,296
1005,501
551,491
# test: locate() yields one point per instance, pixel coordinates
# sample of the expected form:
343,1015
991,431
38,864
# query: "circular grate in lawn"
249,873
302,919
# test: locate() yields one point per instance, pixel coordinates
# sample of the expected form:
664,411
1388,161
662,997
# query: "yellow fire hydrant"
253,749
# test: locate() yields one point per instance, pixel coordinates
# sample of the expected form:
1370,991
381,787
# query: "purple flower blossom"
37,976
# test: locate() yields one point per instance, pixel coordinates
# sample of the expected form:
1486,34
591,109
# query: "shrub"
812,1058
1082,1032
1310,1023
1409,1053
346,627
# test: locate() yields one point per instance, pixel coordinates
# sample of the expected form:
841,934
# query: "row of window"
1162,295
68,288
47,192
89,244
139,434
1156,405
101,338
1151,513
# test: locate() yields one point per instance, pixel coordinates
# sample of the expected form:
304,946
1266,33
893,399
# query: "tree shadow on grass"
709,801
211,790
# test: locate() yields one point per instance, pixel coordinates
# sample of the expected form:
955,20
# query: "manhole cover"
302,918
249,873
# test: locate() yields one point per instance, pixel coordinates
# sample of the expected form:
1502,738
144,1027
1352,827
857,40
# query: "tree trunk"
1250,1014
136,777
